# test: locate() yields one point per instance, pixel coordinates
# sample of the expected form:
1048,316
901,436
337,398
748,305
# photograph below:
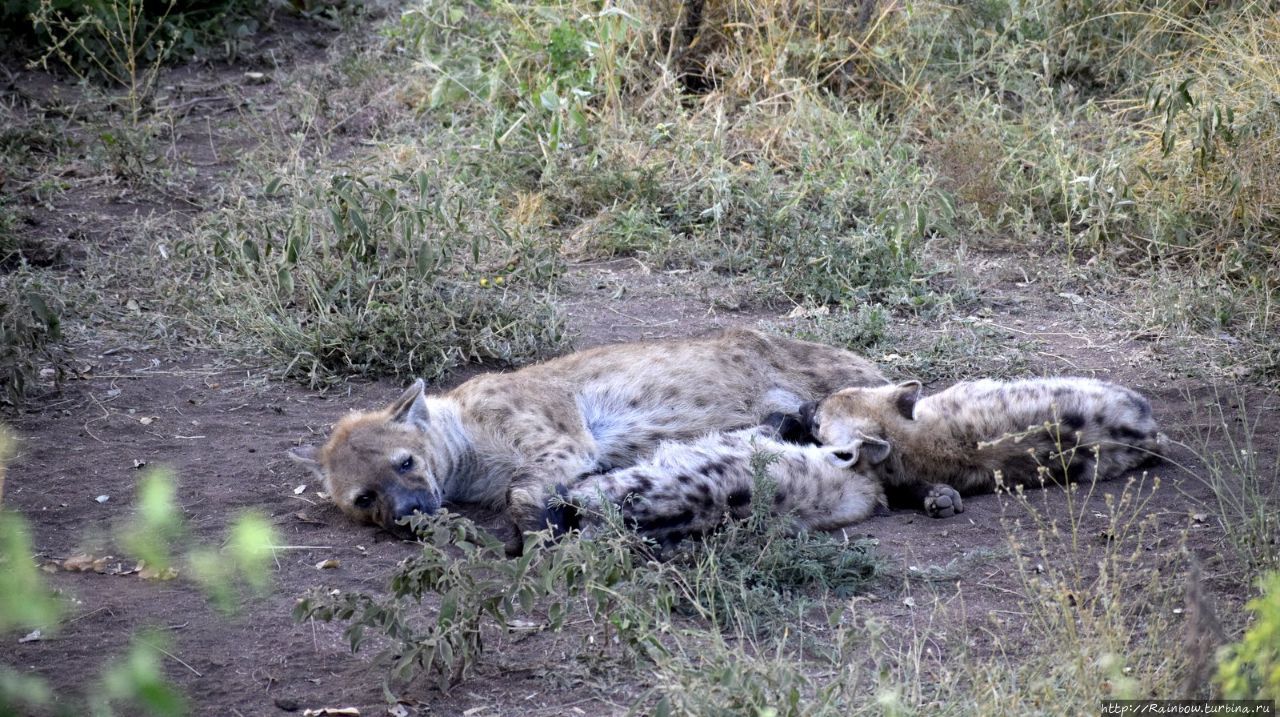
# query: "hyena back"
688,489
506,439
1029,431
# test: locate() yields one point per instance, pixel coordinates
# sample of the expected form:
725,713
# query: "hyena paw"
942,501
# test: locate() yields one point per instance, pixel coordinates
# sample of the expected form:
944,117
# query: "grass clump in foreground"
750,579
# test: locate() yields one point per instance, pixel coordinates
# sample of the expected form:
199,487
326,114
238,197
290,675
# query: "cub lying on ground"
687,489
506,439
954,442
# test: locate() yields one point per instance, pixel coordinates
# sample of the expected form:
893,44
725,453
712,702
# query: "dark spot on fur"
705,501
739,497
779,497
666,522
562,427
684,479
713,470
1126,433
633,403
699,402
1072,421
643,484
1078,469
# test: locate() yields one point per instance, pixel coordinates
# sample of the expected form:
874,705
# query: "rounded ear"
843,456
905,396
308,456
411,407
876,450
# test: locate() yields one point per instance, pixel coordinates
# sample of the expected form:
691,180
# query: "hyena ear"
905,396
411,407
308,456
876,450
806,413
873,449
843,456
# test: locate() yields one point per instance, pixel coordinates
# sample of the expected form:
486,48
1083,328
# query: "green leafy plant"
1250,669
137,678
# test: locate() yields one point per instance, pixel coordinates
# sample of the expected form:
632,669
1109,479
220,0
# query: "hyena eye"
364,500
406,465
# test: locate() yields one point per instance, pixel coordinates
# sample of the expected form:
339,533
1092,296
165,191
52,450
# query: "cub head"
861,413
374,465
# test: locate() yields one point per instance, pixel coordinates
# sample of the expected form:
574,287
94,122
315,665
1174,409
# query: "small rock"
328,564
103,498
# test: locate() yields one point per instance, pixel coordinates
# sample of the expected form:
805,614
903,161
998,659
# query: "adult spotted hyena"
505,439
954,442
689,488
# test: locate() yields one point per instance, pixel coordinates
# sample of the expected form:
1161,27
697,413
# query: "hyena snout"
401,502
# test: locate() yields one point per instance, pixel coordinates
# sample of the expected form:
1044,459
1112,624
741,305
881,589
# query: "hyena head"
375,465
857,414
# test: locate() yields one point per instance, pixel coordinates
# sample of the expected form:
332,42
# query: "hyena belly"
687,489
1034,430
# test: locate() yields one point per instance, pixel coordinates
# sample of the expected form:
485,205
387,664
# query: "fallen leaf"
300,489
138,464
146,420
1200,517
33,636
328,564
103,498
307,519
84,563
909,601
332,712
398,710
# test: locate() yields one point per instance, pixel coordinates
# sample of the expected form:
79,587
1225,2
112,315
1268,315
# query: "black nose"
417,501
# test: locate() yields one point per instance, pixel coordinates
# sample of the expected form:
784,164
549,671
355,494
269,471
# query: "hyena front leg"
534,481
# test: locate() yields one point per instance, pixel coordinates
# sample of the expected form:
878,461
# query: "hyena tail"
560,514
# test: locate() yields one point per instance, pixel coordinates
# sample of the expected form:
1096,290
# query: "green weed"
1250,668
748,578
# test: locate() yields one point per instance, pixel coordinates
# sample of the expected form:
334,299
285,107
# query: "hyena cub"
507,439
954,442
687,489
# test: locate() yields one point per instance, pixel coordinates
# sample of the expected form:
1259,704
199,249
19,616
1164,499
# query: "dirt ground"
224,429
